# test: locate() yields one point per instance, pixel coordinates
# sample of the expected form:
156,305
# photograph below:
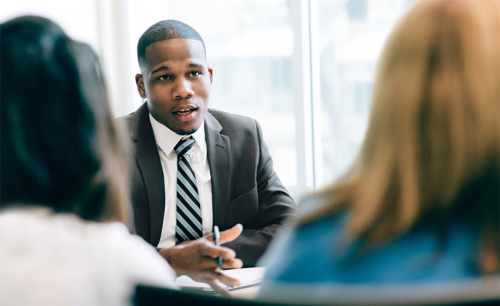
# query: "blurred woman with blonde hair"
421,202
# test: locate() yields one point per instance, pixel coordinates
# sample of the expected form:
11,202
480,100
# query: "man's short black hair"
163,30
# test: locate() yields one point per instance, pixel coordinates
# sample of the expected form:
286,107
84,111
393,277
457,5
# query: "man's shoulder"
125,123
135,121
126,118
229,120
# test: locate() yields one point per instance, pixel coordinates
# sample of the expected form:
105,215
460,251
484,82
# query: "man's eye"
194,73
165,78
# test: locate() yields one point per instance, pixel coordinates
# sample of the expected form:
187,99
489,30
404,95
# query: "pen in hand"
217,243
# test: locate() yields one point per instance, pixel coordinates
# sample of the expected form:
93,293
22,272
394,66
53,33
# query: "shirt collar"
166,139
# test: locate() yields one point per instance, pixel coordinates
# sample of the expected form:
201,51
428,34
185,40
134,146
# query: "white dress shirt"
55,259
166,140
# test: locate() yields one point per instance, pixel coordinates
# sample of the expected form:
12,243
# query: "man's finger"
233,282
211,264
216,285
232,264
231,234
218,275
213,251
227,235
215,279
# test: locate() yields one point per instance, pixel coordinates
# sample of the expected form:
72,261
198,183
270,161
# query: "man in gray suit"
235,186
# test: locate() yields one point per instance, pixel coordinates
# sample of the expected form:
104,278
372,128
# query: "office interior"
303,68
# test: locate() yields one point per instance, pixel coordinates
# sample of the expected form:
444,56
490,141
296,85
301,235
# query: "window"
351,37
303,68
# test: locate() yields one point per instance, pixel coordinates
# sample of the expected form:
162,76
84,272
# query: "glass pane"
351,36
79,19
249,47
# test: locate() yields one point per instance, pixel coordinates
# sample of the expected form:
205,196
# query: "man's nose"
182,89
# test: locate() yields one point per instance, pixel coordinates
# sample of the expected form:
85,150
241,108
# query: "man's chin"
185,131
186,128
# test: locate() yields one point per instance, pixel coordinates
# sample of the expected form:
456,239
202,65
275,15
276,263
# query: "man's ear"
140,86
211,72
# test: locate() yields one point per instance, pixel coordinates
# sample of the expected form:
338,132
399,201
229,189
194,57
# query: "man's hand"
198,259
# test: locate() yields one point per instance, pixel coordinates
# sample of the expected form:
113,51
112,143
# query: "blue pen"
217,243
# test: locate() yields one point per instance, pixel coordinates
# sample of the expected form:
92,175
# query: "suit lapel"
149,164
219,159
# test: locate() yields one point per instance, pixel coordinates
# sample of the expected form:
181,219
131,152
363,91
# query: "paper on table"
247,276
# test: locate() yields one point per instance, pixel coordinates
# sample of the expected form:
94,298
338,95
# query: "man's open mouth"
184,112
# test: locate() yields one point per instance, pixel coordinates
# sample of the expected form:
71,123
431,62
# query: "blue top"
312,253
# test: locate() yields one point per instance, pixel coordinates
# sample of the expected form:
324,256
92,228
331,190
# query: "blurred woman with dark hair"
421,202
63,178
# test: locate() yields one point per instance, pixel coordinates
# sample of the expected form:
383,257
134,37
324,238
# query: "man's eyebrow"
196,65
162,68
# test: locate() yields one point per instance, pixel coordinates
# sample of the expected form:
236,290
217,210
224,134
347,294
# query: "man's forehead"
173,66
175,49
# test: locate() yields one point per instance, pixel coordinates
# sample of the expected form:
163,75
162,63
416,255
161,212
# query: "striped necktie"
188,225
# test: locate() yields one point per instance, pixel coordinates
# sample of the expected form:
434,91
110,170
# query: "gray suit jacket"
245,188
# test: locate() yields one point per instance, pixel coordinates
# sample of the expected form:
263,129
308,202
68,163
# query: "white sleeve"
145,264
132,261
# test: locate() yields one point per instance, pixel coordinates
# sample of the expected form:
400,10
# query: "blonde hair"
433,136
